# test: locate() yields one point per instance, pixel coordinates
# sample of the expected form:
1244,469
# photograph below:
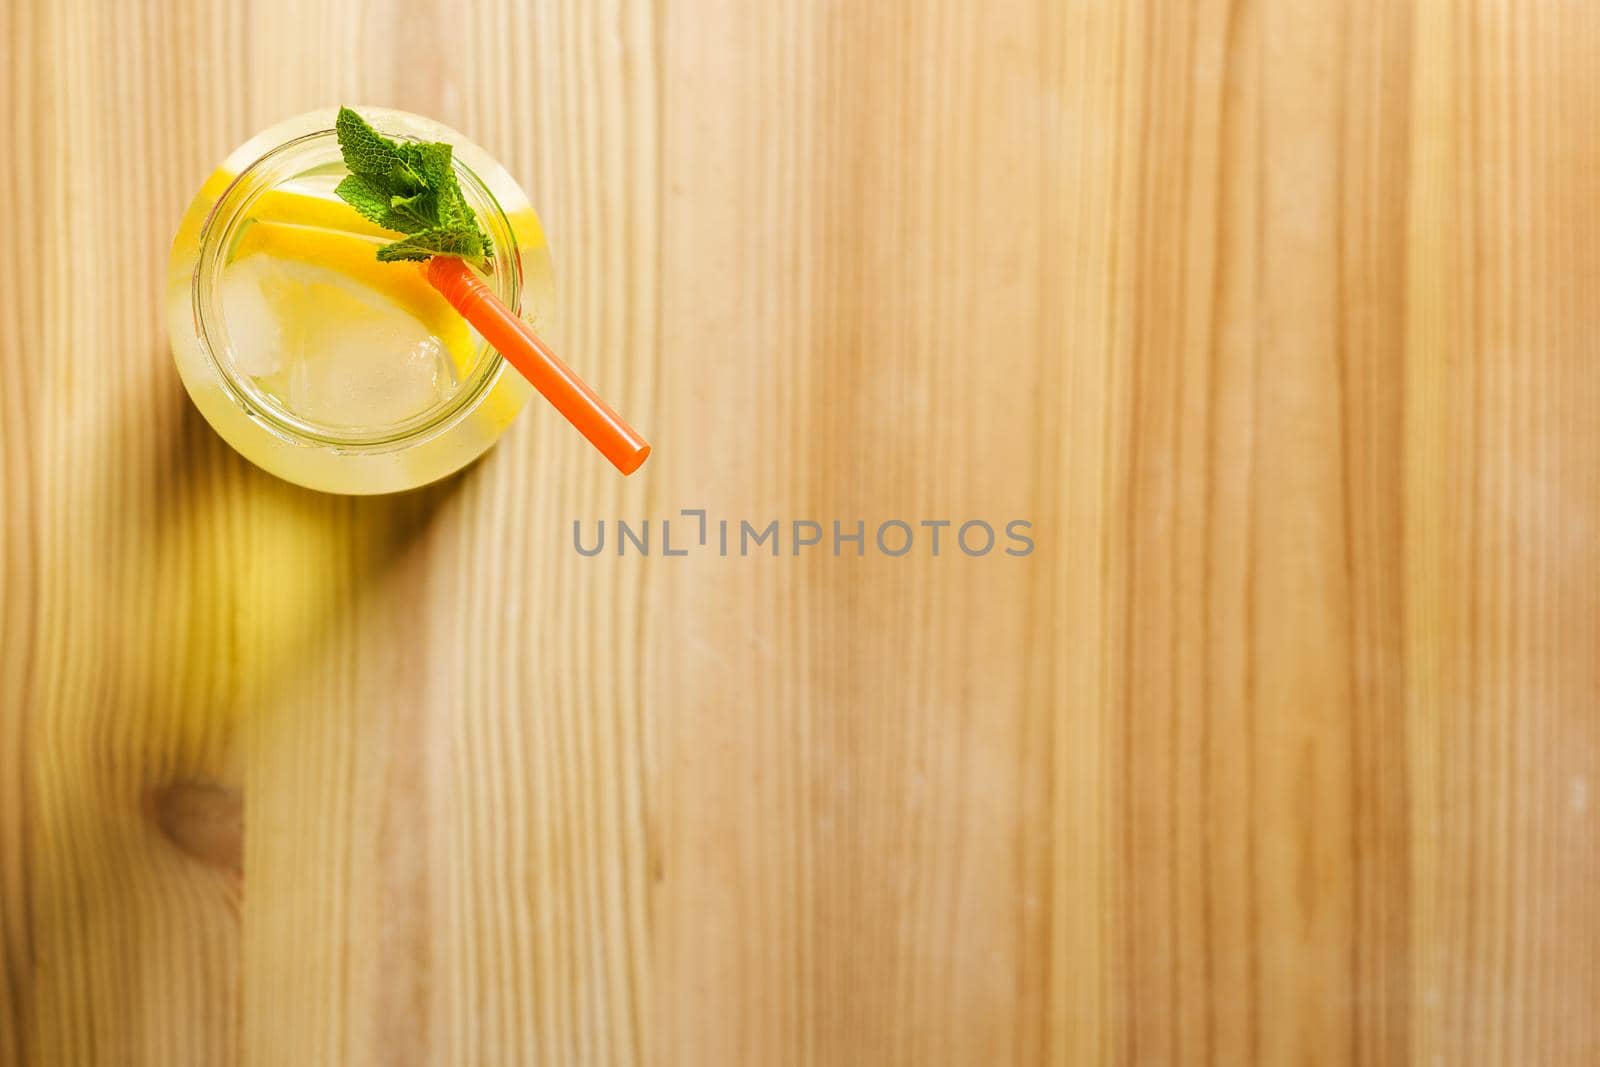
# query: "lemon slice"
336,336
355,258
330,349
303,209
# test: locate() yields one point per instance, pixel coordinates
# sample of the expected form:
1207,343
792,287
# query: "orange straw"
594,418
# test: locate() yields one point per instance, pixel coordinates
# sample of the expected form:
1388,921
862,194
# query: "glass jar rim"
273,167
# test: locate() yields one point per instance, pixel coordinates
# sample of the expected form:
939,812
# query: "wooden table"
1277,321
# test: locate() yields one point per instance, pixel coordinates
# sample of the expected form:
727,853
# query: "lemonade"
316,361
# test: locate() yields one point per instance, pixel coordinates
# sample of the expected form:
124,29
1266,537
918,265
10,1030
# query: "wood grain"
1282,747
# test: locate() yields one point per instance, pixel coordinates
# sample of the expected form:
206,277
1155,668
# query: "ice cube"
334,346
356,377
255,332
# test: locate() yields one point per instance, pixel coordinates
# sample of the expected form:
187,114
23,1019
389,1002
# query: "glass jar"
420,448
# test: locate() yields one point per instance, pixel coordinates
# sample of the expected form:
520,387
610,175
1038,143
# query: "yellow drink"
314,360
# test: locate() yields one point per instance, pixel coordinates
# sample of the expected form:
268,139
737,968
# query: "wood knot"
203,819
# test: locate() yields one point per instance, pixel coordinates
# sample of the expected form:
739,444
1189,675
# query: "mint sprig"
409,187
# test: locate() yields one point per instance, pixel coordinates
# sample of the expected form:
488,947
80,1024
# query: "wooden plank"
1281,746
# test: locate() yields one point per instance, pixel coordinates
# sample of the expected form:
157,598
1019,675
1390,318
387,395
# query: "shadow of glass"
241,576
184,596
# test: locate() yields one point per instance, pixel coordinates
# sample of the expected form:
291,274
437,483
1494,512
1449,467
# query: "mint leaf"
409,187
361,194
402,213
431,161
366,152
441,241
411,213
